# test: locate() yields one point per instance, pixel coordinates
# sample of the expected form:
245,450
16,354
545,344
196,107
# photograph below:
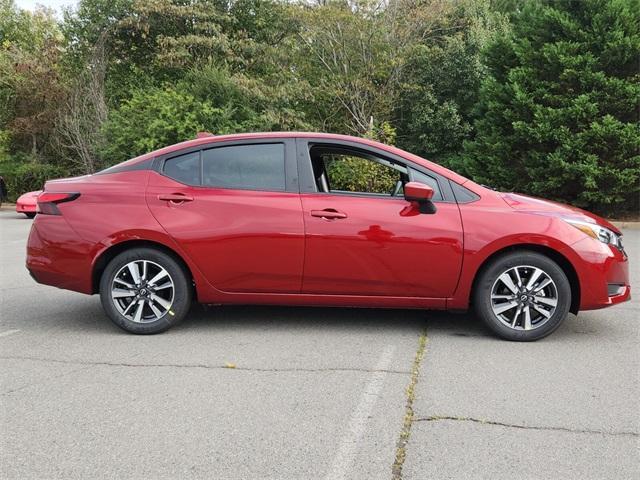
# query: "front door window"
339,170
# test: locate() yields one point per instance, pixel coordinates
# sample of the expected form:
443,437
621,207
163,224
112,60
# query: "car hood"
547,207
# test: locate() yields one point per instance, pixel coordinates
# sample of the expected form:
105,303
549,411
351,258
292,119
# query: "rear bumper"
57,256
603,272
25,208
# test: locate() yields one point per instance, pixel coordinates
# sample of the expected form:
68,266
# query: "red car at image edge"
318,219
27,203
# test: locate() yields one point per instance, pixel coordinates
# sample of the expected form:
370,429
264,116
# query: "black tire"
182,291
30,215
488,280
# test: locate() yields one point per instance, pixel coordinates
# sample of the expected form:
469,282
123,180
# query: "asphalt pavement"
304,393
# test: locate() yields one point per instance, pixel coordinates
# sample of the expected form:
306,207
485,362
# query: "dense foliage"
531,95
356,174
557,114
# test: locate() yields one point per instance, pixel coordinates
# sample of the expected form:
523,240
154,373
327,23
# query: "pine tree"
558,113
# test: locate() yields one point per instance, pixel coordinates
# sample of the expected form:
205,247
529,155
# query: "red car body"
27,203
292,247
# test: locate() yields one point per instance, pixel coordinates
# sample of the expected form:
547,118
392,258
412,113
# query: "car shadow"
289,318
463,324
437,323
89,316
14,216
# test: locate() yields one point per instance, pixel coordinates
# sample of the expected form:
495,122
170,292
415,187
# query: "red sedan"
27,203
318,219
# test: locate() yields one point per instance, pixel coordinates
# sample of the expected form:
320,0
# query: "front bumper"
603,273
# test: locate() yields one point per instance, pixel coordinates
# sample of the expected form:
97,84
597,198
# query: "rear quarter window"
184,168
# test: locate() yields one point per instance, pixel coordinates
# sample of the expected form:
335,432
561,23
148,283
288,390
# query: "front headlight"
597,232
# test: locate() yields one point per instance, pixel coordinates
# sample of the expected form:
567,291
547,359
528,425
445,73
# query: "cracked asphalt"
302,393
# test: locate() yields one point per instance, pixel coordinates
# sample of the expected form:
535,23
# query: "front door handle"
328,213
175,198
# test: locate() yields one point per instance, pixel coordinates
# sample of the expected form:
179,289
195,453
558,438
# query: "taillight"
48,201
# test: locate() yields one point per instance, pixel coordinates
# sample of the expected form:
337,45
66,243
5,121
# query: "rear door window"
247,167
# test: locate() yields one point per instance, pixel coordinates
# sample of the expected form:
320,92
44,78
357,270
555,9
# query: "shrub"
558,115
157,117
355,174
22,177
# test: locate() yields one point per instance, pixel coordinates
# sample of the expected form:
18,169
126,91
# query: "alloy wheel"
524,297
142,291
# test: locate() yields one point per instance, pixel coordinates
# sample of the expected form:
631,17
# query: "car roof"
204,139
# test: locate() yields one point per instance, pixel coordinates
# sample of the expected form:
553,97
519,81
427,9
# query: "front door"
231,210
364,238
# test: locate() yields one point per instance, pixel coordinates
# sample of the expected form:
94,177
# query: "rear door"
363,237
235,210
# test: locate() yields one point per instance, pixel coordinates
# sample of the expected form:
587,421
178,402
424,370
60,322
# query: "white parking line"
8,332
357,425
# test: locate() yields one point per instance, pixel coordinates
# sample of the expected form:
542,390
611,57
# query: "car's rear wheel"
145,291
522,296
30,215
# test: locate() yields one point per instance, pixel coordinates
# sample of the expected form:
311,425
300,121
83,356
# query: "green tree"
372,67
254,103
538,96
31,83
347,56
441,81
558,115
100,24
157,117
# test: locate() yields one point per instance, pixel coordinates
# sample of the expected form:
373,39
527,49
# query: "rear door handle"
175,198
328,213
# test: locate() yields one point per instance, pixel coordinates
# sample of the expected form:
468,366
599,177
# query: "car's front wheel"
145,291
522,296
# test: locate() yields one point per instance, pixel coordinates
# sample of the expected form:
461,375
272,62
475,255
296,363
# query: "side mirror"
421,194
417,192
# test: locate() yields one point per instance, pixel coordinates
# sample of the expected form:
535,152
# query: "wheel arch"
110,253
562,261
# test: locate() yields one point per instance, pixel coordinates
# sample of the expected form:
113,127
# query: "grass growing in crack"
405,432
